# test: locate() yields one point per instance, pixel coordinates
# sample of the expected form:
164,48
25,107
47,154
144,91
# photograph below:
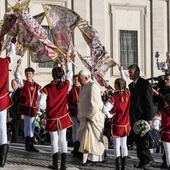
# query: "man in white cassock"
91,117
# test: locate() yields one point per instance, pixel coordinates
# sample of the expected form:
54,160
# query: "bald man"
91,117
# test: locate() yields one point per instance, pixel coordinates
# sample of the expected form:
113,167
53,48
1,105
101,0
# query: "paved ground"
19,159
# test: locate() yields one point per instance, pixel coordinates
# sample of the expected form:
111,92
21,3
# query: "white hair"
85,73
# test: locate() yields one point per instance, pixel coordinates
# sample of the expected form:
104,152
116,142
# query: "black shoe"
144,165
33,149
3,154
141,166
55,162
163,165
13,141
89,163
27,143
78,155
52,167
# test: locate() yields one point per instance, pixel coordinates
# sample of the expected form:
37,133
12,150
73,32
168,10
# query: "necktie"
12,95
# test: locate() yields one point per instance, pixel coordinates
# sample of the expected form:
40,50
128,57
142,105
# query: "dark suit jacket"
160,98
13,109
141,100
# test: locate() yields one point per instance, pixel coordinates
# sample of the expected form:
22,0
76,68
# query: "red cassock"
28,99
5,100
72,99
165,132
120,125
57,108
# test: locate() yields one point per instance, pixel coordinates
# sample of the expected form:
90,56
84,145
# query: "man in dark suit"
159,94
17,119
141,108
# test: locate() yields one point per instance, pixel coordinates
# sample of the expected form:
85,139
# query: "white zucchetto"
85,73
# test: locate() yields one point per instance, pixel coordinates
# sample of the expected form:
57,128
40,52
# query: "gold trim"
59,117
121,125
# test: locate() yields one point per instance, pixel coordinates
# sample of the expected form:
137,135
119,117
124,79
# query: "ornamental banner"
8,22
96,72
99,60
30,34
62,22
20,5
39,17
33,36
20,49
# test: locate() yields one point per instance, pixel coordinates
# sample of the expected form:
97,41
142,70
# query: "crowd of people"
75,101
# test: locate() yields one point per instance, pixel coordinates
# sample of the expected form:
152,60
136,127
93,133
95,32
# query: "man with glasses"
159,94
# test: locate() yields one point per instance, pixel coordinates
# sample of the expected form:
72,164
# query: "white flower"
141,127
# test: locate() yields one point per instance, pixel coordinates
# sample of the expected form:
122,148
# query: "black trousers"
16,124
144,155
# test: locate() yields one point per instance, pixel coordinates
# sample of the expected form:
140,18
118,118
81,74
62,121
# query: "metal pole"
151,36
72,7
6,5
91,23
168,29
111,35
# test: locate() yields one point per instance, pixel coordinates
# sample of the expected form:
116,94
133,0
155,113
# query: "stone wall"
149,17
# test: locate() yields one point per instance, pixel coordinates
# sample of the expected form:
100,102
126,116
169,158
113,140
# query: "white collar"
136,80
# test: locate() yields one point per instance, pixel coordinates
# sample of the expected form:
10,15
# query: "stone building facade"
132,31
